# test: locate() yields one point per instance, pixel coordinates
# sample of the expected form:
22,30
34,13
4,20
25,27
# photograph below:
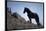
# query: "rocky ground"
19,23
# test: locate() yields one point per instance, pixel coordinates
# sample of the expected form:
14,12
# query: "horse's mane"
28,10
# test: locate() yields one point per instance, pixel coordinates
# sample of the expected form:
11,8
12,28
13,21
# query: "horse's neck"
29,12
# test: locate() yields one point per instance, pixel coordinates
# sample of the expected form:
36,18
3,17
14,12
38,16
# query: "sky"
34,7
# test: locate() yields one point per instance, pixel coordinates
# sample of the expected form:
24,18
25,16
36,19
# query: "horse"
30,15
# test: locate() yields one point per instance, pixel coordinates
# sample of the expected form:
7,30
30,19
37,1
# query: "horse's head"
25,10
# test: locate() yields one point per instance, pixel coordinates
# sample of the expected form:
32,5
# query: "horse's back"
36,15
33,15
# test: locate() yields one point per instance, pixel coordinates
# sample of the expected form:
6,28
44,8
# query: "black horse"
32,15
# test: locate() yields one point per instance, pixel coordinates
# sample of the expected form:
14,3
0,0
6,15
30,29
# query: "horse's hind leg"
37,20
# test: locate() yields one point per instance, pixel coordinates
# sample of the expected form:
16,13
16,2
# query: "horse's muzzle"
23,12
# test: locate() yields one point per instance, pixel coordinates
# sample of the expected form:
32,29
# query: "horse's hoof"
30,22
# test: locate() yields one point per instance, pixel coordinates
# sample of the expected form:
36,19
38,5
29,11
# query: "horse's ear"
25,9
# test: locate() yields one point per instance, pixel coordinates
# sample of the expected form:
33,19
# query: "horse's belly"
32,16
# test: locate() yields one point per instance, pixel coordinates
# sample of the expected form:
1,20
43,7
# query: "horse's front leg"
29,18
